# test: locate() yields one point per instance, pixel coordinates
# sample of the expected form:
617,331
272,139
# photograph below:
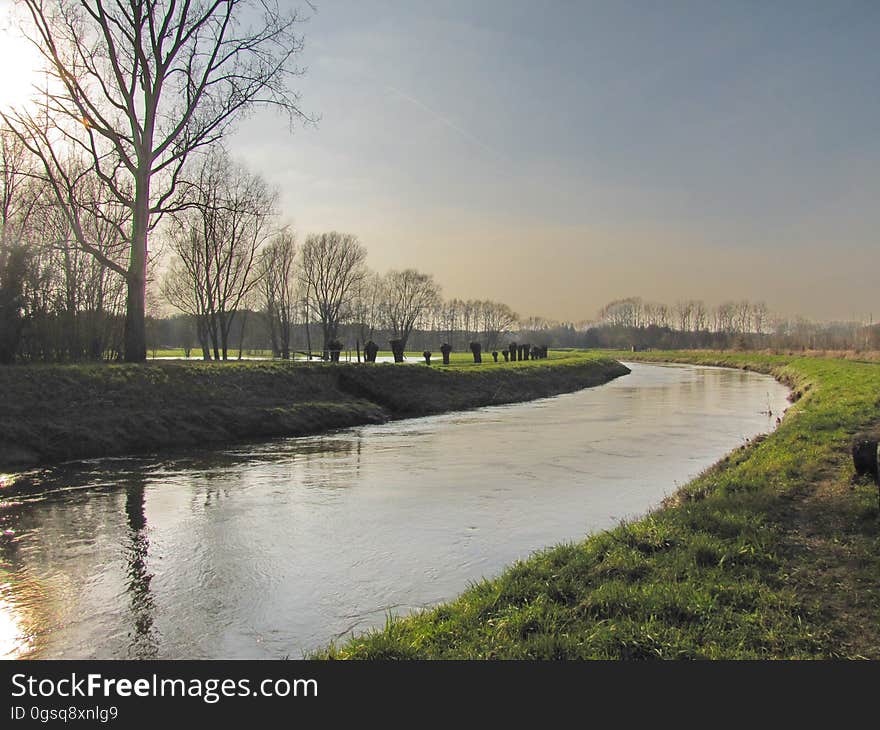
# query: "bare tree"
69,298
20,192
451,315
276,277
684,311
759,317
701,316
629,312
406,297
725,317
185,284
469,319
215,242
331,268
89,293
498,319
743,316
137,86
365,306
661,315
17,201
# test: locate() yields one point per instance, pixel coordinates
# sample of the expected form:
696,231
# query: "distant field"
197,353
456,358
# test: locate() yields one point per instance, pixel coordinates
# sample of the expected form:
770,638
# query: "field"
772,553
456,358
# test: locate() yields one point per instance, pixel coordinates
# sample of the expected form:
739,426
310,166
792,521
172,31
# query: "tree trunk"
241,333
135,339
329,336
396,349
225,326
135,343
308,332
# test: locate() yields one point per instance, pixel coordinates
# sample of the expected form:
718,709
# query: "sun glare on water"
14,641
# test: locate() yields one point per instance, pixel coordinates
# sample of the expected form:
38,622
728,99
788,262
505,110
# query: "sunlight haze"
558,156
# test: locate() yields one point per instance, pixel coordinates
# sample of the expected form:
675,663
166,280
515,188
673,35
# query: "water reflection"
13,637
19,617
144,643
268,550
16,630
210,465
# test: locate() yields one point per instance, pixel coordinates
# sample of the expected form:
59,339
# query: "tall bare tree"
331,268
725,317
627,312
137,86
17,201
406,297
20,192
701,316
684,313
365,305
451,315
215,241
498,319
759,317
276,277
743,316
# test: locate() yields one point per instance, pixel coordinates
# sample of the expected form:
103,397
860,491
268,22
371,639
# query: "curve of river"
270,550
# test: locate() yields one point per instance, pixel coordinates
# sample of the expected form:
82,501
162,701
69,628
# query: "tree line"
741,324
241,280
120,154
220,258
228,262
117,196
129,93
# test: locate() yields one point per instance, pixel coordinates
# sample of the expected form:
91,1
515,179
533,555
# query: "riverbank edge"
63,412
770,553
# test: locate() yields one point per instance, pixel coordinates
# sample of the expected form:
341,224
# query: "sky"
557,155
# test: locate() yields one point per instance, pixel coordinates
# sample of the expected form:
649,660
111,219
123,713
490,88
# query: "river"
268,550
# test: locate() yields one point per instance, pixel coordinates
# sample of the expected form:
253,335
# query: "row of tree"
633,322
688,315
57,301
244,281
219,256
227,259
129,94
122,144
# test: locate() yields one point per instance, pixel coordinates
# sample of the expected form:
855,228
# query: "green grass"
466,359
772,553
56,412
59,412
197,353
413,390
456,358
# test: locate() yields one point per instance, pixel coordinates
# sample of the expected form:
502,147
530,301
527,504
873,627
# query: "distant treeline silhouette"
797,334
241,282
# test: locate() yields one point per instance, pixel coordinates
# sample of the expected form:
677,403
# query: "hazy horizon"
558,158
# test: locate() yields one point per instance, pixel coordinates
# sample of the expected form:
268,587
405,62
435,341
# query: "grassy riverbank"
772,553
56,412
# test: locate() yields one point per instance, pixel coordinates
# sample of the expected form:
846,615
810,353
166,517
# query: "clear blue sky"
555,155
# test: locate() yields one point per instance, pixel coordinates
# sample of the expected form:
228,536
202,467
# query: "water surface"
269,550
